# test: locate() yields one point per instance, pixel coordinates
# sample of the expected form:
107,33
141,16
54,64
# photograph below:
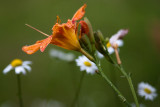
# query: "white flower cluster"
61,55
115,39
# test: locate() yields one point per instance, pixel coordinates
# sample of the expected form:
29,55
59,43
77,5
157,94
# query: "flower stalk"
123,99
120,68
19,90
86,54
78,90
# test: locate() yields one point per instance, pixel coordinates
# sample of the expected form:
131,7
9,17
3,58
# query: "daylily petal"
32,48
80,13
84,28
38,45
45,43
64,36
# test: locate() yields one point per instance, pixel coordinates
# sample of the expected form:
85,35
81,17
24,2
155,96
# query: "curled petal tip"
32,48
80,13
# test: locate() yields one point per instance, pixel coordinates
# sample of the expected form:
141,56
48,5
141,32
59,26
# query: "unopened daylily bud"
84,43
99,45
100,35
90,34
106,40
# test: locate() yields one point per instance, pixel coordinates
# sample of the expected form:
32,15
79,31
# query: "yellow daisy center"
108,44
87,63
16,62
148,91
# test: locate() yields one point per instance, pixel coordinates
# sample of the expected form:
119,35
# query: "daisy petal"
7,69
20,69
27,62
27,67
119,42
110,50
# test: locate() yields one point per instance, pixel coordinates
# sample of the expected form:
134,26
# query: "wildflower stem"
130,83
78,90
123,99
86,54
120,68
19,90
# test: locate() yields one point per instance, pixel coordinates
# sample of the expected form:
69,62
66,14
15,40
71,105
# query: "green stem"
120,68
130,83
86,54
19,91
123,99
78,90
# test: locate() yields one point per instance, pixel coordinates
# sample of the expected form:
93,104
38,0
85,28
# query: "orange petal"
64,35
80,13
45,43
84,27
32,48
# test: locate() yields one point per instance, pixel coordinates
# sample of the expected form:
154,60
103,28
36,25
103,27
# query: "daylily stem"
120,68
19,90
86,54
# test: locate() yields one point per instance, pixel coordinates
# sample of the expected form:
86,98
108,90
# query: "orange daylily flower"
64,35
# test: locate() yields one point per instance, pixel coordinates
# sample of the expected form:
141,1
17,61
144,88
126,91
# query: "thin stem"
19,90
120,68
123,99
86,54
78,90
130,83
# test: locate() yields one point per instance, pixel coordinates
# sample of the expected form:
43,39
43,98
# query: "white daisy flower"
47,103
116,39
140,105
85,64
99,55
61,55
147,91
19,66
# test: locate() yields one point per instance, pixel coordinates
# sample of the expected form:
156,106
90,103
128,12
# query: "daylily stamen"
58,19
36,29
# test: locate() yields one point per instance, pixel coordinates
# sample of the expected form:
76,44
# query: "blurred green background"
52,80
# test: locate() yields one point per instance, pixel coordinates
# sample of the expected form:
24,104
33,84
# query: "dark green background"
57,80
